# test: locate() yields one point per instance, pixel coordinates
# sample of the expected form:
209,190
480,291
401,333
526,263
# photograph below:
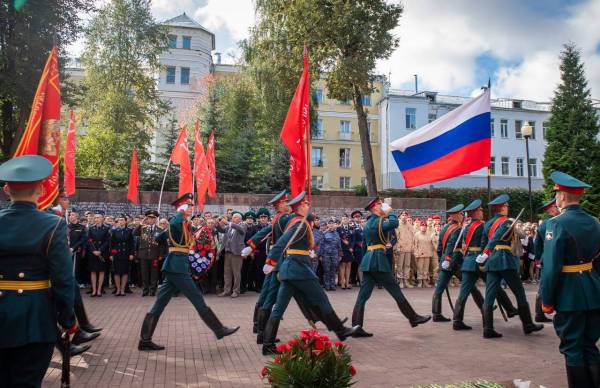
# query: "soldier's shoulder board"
549,235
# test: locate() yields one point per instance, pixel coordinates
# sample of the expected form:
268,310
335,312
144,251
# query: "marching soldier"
176,269
150,252
500,263
538,247
569,284
376,267
297,276
470,271
36,276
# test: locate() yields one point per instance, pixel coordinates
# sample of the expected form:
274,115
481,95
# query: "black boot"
145,292
539,314
413,318
82,336
477,297
488,323
127,290
148,326
82,318
436,309
153,292
263,318
594,371
525,315
357,320
459,313
76,350
215,325
334,324
506,303
269,337
255,318
578,377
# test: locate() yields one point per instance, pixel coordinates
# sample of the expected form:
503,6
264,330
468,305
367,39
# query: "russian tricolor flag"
455,144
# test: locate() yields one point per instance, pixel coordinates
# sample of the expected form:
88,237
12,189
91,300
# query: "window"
185,75
492,129
319,95
366,100
493,165
316,181
411,118
518,126
316,157
172,41
345,130
318,133
504,129
544,128
505,169
186,42
371,136
344,182
363,181
345,102
533,167
431,117
519,166
532,123
171,74
345,157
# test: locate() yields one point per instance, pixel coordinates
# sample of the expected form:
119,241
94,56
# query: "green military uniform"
36,279
500,263
571,287
375,267
470,271
538,250
298,278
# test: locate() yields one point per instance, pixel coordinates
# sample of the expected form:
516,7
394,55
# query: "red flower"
269,379
339,344
263,372
202,253
277,360
114,251
292,342
207,246
352,370
283,348
327,345
324,338
305,334
318,344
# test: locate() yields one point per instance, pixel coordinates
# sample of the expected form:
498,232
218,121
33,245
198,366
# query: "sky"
452,46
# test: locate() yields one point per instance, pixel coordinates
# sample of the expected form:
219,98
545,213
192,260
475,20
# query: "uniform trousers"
25,366
183,283
423,267
306,289
232,271
370,279
330,268
402,264
444,278
149,271
579,332
492,286
271,294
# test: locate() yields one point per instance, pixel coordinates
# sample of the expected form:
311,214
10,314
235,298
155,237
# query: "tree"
27,34
120,102
573,128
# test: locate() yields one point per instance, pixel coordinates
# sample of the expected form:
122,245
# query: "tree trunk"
365,142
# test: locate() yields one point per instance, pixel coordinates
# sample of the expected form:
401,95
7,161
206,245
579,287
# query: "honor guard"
570,286
176,270
538,247
36,276
150,252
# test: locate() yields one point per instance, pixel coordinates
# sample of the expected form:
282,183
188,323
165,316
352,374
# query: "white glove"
445,264
246,251
385,207
312,254
481,258
267,269
183,208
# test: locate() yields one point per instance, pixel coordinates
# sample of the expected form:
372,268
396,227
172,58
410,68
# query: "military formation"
41,305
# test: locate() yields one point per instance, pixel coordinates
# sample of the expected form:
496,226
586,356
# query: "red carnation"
281,348
324,338
114,251
352,370
327,345
263,372
277,360
318,344
202,253
206,246
292,342
305,334
339,344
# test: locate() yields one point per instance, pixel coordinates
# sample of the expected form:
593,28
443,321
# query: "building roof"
184,21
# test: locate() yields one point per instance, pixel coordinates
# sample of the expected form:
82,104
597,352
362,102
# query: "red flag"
69,156
295,133
181,156
42,134
134,179
210,157
200,169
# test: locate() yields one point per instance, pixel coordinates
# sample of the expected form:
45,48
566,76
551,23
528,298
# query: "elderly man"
233,243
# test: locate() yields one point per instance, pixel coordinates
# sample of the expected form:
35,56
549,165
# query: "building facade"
336,154
402,112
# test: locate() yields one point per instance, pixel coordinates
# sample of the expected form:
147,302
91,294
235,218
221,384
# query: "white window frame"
410,118
504,129
344,160
345,130
505,162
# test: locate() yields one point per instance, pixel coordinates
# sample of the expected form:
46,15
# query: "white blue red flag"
455,144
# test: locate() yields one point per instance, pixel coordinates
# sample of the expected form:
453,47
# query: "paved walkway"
397,356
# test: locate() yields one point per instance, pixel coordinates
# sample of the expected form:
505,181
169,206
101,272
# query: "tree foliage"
573,128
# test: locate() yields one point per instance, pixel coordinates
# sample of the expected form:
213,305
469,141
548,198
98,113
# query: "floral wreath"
202,251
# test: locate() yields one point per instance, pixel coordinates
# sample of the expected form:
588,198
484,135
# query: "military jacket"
318,239
294,266
149,248
472,245
500,256
331,245
347,235
276,230
571,238
445,248
358,242
376,232
77,236
121,243
32,254
538,242
177,236
98,239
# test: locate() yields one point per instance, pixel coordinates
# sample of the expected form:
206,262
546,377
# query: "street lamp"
527,131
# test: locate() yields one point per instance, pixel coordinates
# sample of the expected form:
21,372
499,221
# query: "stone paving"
397,356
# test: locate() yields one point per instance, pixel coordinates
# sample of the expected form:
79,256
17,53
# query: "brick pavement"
397,356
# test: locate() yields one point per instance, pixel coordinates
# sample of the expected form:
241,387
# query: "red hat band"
572,190
22,185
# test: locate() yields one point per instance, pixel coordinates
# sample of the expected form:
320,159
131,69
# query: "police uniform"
121,247
330,249
36,278
98,240
176,270
297,277
150,252
500,263
571,287
376,269
538,251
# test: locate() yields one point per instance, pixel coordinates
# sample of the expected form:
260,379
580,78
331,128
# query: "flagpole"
162,187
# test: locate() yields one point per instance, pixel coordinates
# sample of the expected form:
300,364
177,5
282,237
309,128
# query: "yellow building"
336,154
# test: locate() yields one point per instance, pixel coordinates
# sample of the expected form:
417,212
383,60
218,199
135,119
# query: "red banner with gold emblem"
42,134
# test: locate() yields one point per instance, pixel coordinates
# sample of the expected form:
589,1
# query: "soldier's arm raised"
60,267
390,223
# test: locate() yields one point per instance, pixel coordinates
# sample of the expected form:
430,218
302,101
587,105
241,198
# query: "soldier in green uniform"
36,276
569,284
297,276
538,248
470,272
176,270
500,263
375,266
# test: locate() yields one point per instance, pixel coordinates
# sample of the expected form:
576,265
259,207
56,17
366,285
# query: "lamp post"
527,131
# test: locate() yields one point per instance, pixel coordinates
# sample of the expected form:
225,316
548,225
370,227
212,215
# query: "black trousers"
25,366
149,273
